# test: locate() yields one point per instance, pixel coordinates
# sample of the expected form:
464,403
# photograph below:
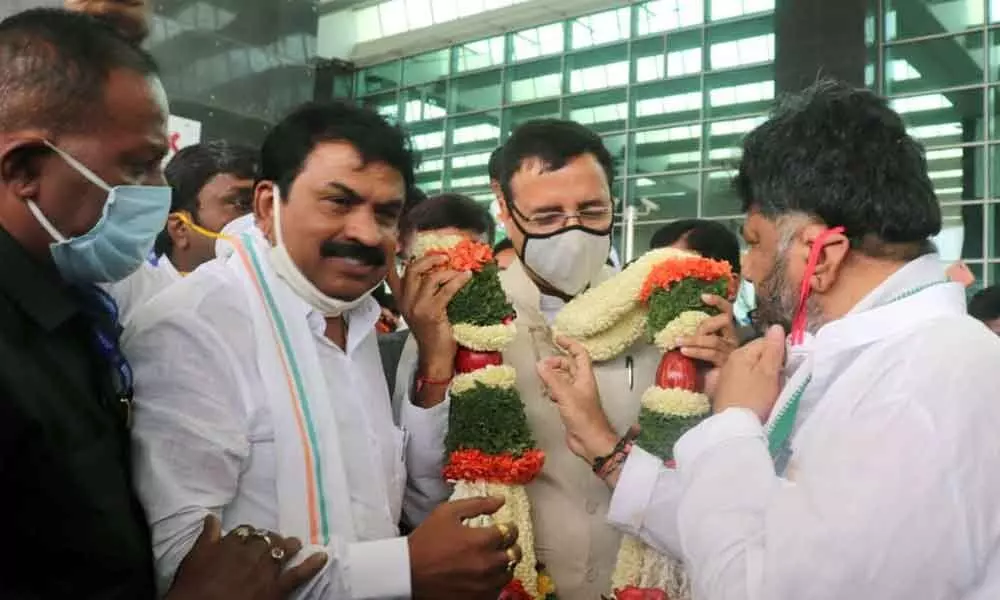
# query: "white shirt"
204,438
140,287
893,488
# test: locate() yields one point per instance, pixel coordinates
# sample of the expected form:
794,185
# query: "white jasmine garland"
685,324
614,340
498,376
600,307
675,402
425,242
484,338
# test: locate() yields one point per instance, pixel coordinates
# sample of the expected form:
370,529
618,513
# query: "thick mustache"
368,255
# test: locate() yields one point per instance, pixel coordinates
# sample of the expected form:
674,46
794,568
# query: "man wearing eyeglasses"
553,186
211,185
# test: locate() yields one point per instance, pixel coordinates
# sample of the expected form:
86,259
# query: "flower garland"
659,295
672,292
490,448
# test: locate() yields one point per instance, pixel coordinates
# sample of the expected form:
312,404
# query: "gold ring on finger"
512,558
278,553
243,532
264,535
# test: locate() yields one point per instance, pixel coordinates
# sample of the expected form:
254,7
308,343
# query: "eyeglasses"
598,217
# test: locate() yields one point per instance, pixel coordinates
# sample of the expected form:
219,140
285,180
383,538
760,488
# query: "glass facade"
671,85
939,62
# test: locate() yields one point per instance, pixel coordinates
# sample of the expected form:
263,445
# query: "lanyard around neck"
783,424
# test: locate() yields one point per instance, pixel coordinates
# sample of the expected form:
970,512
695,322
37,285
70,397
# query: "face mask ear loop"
279,240
799,321
79,167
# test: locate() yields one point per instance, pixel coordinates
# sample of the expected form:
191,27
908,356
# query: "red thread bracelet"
425,381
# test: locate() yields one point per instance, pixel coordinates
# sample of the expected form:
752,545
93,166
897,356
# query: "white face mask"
567,260
286,268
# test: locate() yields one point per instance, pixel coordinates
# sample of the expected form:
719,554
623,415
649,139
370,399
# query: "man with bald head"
82,197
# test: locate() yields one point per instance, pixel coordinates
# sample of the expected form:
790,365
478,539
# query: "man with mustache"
860,462
261,397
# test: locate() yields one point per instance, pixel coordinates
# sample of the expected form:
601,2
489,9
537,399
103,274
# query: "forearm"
425,456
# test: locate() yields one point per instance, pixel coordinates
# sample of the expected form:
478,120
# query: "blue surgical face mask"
121,239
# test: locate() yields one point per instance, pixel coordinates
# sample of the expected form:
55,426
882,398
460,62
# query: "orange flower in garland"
667,273
474,465
467,255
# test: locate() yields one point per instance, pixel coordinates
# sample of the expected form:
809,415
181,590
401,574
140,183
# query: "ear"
178,232
831,257
263,206
21,162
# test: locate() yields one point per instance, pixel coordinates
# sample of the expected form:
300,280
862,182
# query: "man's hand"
751,377
713,342
241,567
426,294
572,386
451,560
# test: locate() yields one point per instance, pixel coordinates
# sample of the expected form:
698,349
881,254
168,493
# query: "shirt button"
591,575
591,506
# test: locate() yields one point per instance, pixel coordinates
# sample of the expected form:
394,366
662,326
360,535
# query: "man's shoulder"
211,294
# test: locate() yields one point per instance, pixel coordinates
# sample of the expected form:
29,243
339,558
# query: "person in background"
714,240
985,306
857,457
259,396
82,197
129,17
443,214
504,253
710,239
554,179
211,185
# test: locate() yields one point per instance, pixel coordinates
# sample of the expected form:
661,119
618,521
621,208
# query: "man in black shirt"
82,135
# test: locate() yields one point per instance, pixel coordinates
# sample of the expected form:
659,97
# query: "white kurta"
204,437
893,487
140,287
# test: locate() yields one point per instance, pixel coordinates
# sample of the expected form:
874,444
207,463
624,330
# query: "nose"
362,228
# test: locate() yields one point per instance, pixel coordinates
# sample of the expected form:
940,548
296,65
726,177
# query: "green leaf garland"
666,305
489,419
482,300
658,432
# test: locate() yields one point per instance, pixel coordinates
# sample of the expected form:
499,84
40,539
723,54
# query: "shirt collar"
163,262
36,288
360,321
916,293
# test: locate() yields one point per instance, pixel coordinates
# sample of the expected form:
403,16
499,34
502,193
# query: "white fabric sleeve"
645,502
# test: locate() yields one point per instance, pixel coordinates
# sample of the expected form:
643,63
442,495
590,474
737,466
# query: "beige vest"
568,502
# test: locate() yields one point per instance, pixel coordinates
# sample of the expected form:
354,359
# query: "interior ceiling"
249,57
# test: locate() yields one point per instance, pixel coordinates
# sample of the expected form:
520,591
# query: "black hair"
493,165
289,143
504,244
553,141
985,304
192,168
842,155
710,239
54,68
447,210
